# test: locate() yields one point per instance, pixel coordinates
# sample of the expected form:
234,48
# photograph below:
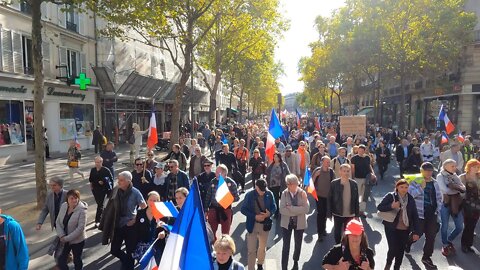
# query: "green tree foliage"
373,39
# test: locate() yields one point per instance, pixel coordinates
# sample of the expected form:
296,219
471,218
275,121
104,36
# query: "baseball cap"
208,161
160,165
427,166
288,147
354,227
261,184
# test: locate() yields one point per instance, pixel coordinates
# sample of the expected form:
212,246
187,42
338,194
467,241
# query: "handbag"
267,223
388,216
73,164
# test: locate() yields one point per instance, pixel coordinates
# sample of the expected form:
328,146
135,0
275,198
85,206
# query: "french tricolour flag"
148,262
308,183
274,131
163,209
187,246
223,195
299,117
152,132
460,137
444,139
442,116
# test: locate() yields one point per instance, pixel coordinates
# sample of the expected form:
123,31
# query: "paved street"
17,187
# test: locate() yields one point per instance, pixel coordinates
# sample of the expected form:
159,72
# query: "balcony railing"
72,26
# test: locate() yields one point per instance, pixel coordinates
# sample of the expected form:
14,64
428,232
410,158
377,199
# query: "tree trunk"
402,117
179,90
331,104
38,84
213,98
240,111
339,104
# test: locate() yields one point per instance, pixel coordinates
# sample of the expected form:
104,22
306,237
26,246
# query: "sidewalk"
18,192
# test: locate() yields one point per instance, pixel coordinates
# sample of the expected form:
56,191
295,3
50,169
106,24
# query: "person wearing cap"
455,154
101,184
216,214
406,222
159,180
294,207
342,201
196,162
54,200
428,199
353,252
452,189
205,178
258,206
471,206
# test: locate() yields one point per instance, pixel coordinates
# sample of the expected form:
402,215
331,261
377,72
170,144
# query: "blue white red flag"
444,139
148,261
163,209
274,131
460,137
187,246
442,116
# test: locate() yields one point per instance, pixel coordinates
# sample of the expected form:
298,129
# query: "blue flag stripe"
275,128
172,209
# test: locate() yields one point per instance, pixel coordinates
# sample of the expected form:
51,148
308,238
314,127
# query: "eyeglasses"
207,165
150,155
139,164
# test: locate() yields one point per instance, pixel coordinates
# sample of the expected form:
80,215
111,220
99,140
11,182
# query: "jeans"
468,232
339,224
287,235
99,193
458,220
77,250
321,216
128,235
397,240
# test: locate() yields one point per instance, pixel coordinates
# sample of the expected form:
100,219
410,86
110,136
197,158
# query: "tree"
174,26
243,29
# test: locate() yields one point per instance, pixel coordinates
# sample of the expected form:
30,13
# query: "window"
25,7
11,122
27,55
71,20
73,63
75,118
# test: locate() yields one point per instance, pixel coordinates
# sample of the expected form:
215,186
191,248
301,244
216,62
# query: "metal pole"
191,98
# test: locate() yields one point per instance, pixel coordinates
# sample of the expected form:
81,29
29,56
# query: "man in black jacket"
343,201
97,139
109,157
401,153
228,159
101,184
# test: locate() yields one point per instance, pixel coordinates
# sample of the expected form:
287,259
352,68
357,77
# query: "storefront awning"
143,87
104,79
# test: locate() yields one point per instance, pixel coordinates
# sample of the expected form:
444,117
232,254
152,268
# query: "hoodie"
16,247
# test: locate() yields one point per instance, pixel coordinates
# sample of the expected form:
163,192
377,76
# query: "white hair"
127,175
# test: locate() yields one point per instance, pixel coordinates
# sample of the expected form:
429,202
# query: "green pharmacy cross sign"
83,81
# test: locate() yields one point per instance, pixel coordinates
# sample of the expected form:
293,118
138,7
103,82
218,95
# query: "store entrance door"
29,125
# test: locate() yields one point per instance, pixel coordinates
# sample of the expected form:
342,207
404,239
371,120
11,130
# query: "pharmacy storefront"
68,112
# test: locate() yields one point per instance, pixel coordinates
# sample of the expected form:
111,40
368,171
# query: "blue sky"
294,45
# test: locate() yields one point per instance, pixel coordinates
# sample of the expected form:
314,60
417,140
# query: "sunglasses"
139,164
207,165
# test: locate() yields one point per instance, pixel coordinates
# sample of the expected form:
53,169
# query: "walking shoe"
408,246
428,263
446,251
295,265
467,249
452,247
259,267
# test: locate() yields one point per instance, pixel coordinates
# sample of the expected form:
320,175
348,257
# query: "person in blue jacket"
13,247
258,206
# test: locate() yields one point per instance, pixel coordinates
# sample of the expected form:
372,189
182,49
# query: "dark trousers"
298,237
339,224
77,250
397,240
321,216
242,168
126,234
428,226
468,230
99,194
47,151
276,196
402,170
255,177
98,147
382,168
112,171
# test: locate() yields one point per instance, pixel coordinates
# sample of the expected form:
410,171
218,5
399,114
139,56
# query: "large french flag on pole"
308,184
152,132
274,131
163,209
187,246
442,116
223,195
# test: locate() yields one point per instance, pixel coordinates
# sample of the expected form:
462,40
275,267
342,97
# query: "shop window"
75,119
11,122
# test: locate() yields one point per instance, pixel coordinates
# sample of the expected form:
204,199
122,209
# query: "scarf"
403,206
302,158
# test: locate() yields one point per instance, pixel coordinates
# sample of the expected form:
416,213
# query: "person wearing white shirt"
427,150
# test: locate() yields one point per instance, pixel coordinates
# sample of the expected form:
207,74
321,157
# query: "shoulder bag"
267,223
388,216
